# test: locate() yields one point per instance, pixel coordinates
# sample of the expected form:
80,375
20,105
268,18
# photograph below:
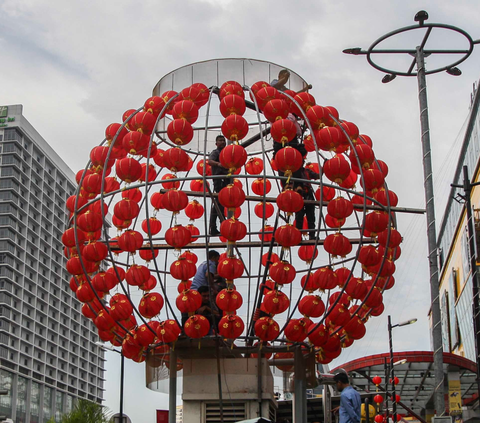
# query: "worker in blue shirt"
350,402
203,276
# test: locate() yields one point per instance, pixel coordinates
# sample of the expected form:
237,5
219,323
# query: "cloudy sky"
77,66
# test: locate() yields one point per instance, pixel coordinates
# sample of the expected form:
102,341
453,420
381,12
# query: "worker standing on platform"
218,183
206,272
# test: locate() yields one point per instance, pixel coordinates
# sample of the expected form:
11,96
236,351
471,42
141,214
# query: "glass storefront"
47,404
6,379
22,385
35,403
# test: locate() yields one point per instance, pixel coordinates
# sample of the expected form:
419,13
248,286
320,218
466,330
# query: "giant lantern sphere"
143,209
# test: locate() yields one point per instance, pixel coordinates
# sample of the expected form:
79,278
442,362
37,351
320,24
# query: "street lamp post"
122,372
419,53
392,364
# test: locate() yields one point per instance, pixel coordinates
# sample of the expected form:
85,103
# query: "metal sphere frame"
152,242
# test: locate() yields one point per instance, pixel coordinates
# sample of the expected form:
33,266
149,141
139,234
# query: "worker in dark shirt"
304,188
218,183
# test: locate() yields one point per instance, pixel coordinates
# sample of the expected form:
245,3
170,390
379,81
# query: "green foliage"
86,412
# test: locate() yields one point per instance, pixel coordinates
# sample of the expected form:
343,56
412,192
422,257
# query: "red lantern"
393,236
317,335
231,326
288,160
136,275
68,237
356,288
233,230
386,200
336,169
185,109
290,201
328,193
266,234
309,282
197,185
229,88
232,104
155,226
373,180
178,236
170,185
121,310
337,245
288,236
144,335
308,253
340,208
194,210
333,223
379,418
368,255
376,222
266,329
168,331
305,100
229,300
283,131
150,305
126,209
175,159
328,138
326,278
377,380
264,210
317,116
183,269
115,130
197,326
233,157
231,196
174,200
235,128
261,187
378,399
189,301
362,154
130,241
276,109
180,132
275,302
254,166
230,268
143,122
282,272
104,282
297,329
311,306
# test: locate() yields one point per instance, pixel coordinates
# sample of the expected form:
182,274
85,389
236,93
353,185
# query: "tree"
86,412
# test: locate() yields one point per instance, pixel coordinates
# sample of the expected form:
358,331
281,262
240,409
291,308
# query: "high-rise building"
456,285
48,356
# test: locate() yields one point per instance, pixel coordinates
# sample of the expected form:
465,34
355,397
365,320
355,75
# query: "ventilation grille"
232,412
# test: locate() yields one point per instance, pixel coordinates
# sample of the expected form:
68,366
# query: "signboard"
4,119
454,397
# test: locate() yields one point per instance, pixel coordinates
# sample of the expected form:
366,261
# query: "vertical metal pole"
300,392
439,398
122,373
367,410
387,377
467,186
392,371
172,397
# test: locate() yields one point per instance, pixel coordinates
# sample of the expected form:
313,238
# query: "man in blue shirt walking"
350,402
